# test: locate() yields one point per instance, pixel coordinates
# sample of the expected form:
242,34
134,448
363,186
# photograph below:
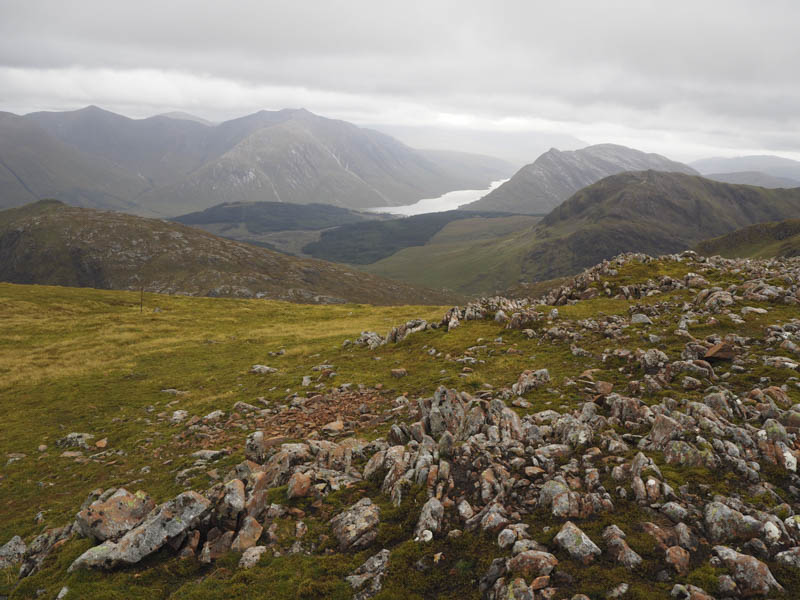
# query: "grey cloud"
620,68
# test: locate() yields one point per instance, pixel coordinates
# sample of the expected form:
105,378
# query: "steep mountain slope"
754,178
282,156
51,243
650,211
765,240
771,165
34,164
544,184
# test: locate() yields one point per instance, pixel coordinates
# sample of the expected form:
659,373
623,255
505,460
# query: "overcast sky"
688,79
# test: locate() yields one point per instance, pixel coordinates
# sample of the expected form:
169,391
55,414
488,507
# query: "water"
448,201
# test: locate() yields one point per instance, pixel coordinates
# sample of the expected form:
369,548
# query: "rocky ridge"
677,467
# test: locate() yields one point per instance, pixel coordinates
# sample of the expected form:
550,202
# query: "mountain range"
51,243
539,187
776,166
169,165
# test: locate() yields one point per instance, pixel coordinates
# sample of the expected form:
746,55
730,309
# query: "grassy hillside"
51,243
472,256
764,240
368,242
650,211
82,360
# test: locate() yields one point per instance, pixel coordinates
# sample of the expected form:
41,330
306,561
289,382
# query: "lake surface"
448,201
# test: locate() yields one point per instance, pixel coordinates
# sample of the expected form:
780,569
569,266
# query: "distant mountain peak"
539,187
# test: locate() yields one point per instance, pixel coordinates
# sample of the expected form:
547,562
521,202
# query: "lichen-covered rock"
430,517
357,527
532,563
576,543
367,580
164,523
753,577
112,517
12,552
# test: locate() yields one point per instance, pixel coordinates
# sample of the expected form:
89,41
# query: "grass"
89,361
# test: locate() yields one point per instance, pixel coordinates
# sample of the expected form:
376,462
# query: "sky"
686,79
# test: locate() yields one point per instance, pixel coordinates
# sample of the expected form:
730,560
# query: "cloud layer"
683,78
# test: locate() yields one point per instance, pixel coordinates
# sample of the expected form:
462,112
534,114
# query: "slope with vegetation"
367,242
764,240
640,442
51,243
652,212
169,166
544,184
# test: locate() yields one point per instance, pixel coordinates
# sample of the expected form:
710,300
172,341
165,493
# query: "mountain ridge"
51,243
554,176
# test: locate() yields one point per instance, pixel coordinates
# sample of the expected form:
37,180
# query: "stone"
248,535
530,380
216,548
753,577
640,319
367,580
262,370
251,556
576,543
678,559
532,563
164,523
113,517
357,527
232,504
12,552
724,523
430,517
719,352
299,485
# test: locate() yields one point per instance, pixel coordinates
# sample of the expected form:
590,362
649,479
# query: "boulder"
164,523
12,552
753,577
532,563
357,527
576,543
430,517
367,580
111,518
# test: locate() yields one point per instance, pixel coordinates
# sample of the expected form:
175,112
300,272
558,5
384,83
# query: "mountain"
544,184
650,211
754,178
516,147
771,165
276,225
182,165
34,164
764,240
48,242
184,116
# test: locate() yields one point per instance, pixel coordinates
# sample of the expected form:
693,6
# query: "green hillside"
764,240
650,211
51,243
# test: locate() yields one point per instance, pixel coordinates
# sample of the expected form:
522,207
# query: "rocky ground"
646,452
